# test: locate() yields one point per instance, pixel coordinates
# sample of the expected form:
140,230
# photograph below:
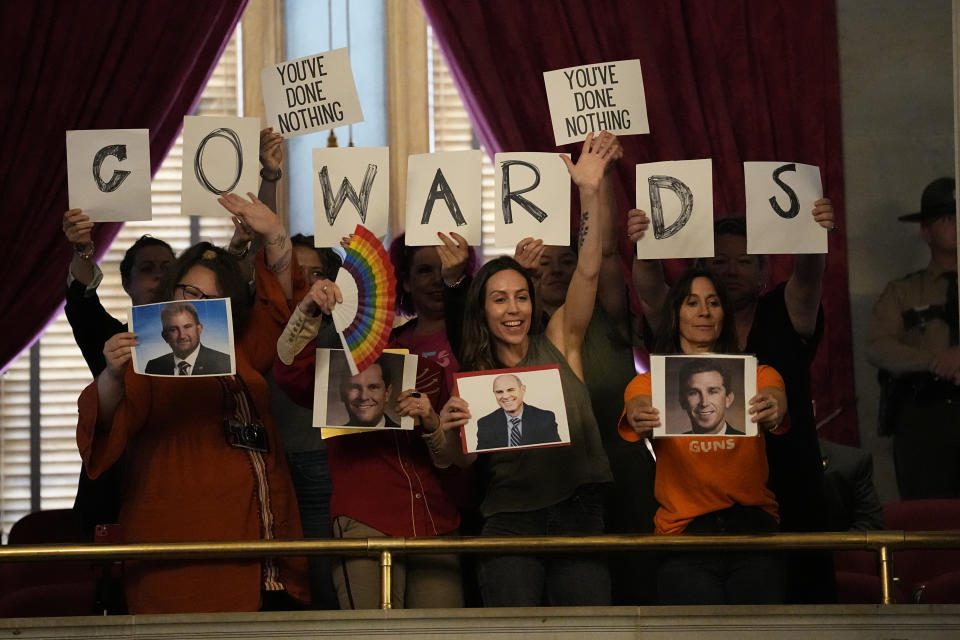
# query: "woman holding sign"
552,491
710,489
203,458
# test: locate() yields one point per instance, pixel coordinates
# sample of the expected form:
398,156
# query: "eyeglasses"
190,292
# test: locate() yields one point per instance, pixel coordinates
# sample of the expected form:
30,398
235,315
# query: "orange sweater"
698,475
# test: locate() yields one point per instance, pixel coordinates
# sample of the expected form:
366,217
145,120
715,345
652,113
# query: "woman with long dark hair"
557,490
703,488
188,475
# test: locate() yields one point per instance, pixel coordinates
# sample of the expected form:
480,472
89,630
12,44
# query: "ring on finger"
769,405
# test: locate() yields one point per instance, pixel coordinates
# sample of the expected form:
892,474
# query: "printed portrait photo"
704,395
513,409
366,400
184,338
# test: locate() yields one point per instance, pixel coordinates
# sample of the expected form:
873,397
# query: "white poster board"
678,198
443,194
596,97
310,94
351,186
780,197
533,198
108,174
220,155
696,394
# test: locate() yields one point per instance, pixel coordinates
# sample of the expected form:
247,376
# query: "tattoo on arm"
584,219
282,264
280,241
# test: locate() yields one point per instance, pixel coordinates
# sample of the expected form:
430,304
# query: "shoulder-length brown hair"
668,335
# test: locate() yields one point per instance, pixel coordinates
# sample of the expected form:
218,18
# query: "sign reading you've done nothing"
310,94
596,97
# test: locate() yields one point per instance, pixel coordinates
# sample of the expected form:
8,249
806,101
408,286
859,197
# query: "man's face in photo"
706,400
365,396
182,333
509,393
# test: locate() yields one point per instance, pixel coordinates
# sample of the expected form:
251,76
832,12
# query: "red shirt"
384,479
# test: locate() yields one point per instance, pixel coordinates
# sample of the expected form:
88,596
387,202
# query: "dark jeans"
724,577
311,481
558,580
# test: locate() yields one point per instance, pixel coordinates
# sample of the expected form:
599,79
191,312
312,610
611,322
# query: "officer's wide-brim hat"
939,198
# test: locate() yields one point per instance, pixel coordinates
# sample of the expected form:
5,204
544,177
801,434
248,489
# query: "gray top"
536,478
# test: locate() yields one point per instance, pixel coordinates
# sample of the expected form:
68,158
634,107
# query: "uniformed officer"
913,341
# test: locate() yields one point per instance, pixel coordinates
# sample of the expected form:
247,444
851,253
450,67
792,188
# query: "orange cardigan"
698,475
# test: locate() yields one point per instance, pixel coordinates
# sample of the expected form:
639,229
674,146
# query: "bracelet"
240,252
456,284
273,178
85,250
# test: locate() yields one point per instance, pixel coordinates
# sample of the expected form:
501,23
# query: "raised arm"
454,254
265,223
611,288
649,282
803,291
78,229
569,324
271,159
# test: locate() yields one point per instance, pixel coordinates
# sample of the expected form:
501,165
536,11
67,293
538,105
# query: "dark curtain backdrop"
85,65
731,80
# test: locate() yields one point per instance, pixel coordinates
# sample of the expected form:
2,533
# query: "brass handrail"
881,542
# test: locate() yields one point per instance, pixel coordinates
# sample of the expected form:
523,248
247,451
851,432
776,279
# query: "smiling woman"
710,482
556,490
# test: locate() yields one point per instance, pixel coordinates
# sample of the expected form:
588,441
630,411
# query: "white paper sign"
443,194
678,198
310,94
594,97
703,395
108,173
351,186
780,197
533,198
220,155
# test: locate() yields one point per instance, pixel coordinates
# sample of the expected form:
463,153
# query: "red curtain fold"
731,80
112,64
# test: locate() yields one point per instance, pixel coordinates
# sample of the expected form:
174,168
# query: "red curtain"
731,80
112,64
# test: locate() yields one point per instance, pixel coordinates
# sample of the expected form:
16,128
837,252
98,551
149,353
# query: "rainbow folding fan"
368,285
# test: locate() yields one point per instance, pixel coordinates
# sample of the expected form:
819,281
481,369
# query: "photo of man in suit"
705,396
181,330
365,397
515,423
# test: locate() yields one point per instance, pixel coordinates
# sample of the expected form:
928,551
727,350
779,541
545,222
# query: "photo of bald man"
515,423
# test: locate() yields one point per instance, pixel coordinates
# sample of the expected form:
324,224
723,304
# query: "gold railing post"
386,561
885,577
